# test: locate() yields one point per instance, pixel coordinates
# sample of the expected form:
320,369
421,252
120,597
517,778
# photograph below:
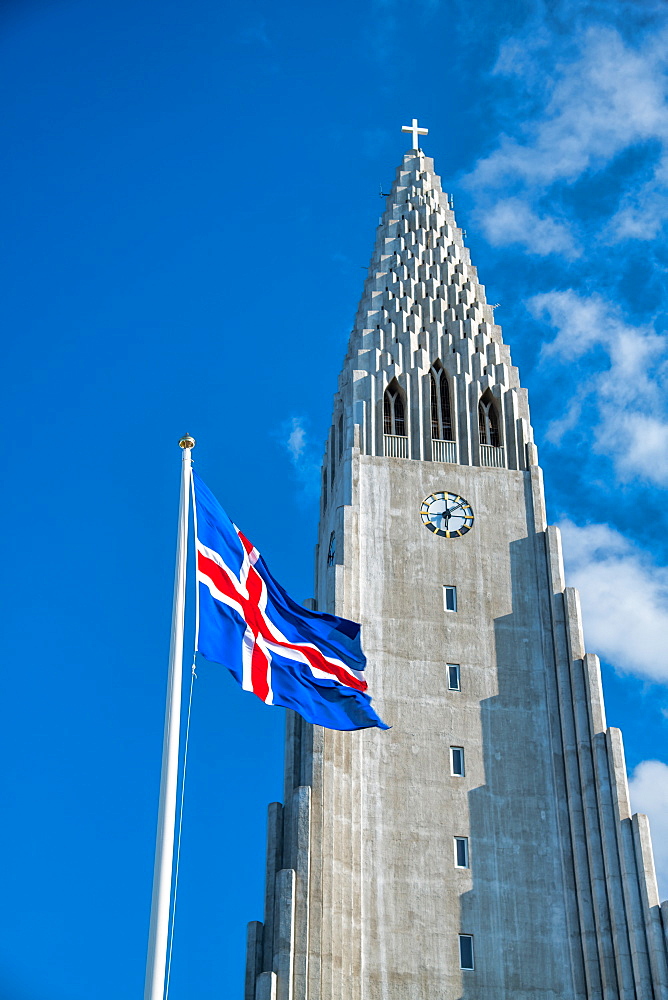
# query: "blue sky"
191,193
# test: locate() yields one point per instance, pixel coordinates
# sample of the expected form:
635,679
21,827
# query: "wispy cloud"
649,794
513,220
586,102
624,599
304,455
255,32
296,440
625,381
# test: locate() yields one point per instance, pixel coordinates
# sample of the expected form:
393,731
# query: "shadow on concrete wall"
516,909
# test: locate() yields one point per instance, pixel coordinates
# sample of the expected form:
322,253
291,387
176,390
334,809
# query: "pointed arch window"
393,410
488,421
441,419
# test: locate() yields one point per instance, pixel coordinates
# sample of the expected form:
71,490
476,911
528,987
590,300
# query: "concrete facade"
364,896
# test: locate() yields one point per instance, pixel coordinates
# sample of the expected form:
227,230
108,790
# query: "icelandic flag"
282,652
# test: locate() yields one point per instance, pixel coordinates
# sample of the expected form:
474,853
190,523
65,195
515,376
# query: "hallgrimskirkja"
483,848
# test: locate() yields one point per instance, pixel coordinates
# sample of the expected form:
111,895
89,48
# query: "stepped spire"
423,317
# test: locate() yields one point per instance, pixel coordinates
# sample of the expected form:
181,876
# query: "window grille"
494,457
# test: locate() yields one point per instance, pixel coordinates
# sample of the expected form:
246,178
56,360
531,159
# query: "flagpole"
164,848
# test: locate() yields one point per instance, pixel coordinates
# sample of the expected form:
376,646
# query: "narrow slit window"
457,761
340,435
461,852
466,952
454,677
488,423
441,422
450,598
393,411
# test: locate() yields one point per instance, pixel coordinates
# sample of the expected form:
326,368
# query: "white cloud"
296,439
629,392
303,455
608,97
624,598
512,220
649,794
588,102
643,209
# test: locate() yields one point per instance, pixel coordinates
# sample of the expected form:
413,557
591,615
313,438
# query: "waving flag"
282,652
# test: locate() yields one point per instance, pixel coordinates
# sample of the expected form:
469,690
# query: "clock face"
447,514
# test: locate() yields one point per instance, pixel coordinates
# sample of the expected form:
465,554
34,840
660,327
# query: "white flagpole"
164,849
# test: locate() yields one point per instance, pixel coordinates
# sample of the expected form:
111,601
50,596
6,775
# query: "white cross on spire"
416,132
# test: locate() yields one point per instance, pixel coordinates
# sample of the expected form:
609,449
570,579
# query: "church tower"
483,848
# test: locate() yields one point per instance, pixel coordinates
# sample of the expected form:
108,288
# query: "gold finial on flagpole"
187,441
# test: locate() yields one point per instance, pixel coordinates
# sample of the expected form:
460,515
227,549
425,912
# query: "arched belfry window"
393,410
441,420
488,421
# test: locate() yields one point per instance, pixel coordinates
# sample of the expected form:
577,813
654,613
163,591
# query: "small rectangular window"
461,852
466,952
457,761
453,677
450,598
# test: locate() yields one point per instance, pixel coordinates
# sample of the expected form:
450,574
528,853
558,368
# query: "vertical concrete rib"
608,821
266,986
356,863
626,853
273,864
284,933
555,569
337,846
592,828
301,811
327,874
568,645
649,895
314,777
253,958
513,451
292,753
